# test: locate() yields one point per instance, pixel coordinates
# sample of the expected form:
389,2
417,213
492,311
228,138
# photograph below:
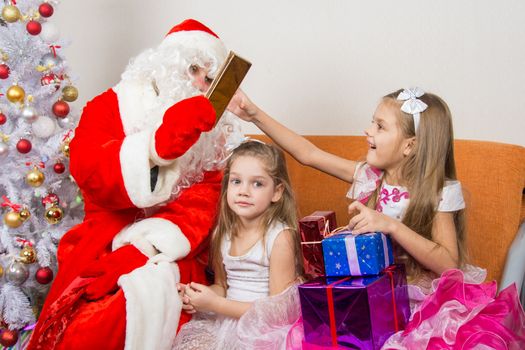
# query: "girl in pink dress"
407,188
255,255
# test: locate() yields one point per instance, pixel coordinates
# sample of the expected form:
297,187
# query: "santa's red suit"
142,233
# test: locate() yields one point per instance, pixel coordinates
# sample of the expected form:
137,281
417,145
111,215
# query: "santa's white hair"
166,68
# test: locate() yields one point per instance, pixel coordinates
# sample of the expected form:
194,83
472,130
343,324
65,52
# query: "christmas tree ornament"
54,214
50,200
35,177
3,118
24,146
15,94
69,93
50,78
28,255
44,127
12,219
1,271
17,273
50,60
10,13
4,149
45,10
4,71
33,27
59,167
8,338
24,214
49,33
65,147
29,114
66,122
44,275
60,109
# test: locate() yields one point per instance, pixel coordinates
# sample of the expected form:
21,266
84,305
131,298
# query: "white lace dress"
265,325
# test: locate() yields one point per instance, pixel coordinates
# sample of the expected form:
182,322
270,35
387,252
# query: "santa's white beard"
164,86
209,152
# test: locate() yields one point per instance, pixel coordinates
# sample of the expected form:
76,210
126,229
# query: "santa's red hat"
189,25
192,33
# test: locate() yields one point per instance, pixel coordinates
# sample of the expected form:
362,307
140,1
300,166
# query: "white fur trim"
135,167
199,40
153,306
134,99
155,235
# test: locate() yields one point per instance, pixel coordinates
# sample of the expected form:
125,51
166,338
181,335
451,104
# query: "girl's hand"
241,106
202,298
369,220
186,305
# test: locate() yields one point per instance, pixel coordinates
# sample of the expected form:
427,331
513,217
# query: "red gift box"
313,229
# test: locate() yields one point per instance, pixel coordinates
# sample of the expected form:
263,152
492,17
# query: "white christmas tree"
39,199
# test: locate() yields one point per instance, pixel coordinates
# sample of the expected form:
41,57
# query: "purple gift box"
355,312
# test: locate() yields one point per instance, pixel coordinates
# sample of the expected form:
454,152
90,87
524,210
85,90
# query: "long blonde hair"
425,170
284,210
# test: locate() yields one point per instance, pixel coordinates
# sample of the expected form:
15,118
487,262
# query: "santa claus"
147,157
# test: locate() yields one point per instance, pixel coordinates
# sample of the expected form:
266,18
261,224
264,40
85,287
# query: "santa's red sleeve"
111,166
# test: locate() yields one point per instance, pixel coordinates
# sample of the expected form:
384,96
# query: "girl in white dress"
407,188
255,255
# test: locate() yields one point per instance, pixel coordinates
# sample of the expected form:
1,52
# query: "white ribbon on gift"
353,258
413,105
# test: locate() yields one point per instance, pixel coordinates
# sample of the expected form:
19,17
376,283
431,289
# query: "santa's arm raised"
112,165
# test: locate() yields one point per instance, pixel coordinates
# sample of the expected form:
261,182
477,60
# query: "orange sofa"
493,179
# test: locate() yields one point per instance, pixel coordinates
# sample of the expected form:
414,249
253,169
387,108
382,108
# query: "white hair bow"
412,104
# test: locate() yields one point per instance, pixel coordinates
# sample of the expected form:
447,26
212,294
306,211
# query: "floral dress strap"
366,180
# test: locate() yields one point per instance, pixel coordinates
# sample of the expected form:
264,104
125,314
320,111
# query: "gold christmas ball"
69,93
54,215
15,94
13,219
28,255
24,214
10,13
65,148
35,178
1,271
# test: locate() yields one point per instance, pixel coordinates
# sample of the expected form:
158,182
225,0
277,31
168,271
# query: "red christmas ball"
44,275
4,71
61,109
34,27
3,118
45,9
59,168
8,338
51,199
24,146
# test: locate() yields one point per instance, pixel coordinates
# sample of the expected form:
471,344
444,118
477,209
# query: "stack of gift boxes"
356,297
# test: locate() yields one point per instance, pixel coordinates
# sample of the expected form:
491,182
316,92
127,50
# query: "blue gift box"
346,254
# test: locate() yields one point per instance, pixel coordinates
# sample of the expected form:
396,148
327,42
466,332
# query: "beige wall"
321,66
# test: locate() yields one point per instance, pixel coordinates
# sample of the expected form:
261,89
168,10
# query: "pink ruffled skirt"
461,312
